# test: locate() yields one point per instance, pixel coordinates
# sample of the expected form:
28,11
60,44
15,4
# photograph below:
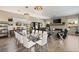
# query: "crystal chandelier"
38,8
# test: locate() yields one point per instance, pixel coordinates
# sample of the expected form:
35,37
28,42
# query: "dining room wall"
78,21
72,17
3,16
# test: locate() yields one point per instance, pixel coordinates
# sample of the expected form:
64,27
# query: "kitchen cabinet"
3,29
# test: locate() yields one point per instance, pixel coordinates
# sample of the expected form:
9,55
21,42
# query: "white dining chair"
40,34
33,32
15,34
28,44
43,41
18,38
36,33
24,32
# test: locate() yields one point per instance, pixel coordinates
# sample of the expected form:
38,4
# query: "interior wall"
3,16
73,29
16,17
78,21
65,19
59,26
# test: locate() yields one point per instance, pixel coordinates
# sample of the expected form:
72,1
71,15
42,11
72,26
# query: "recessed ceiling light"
26,6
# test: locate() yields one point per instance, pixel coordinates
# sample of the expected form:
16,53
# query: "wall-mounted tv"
10,19
56,20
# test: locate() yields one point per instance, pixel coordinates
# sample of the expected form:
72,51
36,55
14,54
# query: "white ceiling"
47,12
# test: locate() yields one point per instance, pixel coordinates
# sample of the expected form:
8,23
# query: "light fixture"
38,8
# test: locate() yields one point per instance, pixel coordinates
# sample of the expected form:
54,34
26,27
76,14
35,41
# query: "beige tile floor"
70,44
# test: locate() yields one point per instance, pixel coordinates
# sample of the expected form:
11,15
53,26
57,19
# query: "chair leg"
37,47
28,49
46,47
40,49
17,43
33,49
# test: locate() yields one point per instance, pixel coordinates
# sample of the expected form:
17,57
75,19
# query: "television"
10,19
56,20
